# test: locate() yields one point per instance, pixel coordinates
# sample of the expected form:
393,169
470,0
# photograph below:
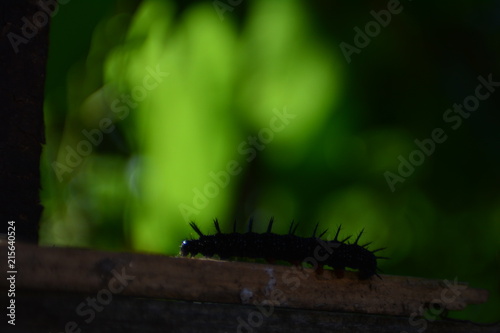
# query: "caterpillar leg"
339,272
272,261
319,270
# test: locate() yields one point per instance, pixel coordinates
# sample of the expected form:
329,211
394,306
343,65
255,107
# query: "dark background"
355,120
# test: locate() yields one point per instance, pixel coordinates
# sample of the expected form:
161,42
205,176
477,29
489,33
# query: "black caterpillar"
336,253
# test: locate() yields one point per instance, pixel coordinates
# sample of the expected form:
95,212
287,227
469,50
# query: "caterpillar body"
336,253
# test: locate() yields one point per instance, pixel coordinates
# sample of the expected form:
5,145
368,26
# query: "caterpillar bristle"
337,233
270,225
382,248
217,227
346,239
359,236
196,229
292,229
315,229
366,245
323,233
250,224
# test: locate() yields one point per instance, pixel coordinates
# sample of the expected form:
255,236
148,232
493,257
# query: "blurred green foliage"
159,113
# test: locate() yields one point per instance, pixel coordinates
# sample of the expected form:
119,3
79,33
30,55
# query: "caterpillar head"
192,247
189,248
